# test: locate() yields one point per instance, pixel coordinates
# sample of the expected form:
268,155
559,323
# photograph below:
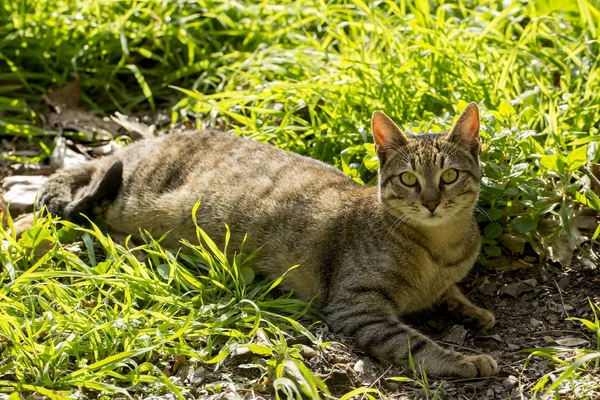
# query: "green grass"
304,75
80,312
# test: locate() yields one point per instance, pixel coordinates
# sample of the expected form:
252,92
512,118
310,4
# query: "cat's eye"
408,178
449,175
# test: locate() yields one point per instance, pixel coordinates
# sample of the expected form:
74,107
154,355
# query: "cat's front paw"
485,319
477,366
481,319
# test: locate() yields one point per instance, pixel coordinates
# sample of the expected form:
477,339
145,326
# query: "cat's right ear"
386,133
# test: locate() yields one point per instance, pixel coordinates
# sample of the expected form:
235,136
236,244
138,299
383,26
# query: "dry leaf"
515,289
516,244
67,115
571,341
21,191
136,129
93,127
62,156
67,96
457,335
561,249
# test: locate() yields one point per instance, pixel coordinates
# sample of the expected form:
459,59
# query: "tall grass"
306,75
85,315
80,313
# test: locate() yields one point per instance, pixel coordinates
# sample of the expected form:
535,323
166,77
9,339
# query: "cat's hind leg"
85,189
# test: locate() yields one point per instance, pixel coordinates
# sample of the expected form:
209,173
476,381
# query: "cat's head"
429,179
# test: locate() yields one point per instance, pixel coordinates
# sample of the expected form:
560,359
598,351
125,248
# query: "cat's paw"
485,320
477,366
481,319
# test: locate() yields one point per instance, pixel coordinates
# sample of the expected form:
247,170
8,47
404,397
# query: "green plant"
575,363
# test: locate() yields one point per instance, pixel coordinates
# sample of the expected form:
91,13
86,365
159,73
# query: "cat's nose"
431,205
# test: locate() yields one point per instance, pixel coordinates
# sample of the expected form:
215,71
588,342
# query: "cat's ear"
466,129
385,132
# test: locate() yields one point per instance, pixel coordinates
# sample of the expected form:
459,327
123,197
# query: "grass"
304,75
81,314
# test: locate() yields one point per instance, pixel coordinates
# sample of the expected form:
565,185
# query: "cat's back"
246,184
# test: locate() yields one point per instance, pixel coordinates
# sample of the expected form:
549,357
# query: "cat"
368,255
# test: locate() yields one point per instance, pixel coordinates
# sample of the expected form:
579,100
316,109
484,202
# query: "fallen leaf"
515,289
510,382
21,191
62,156
596,171
366,370
136,129
516,244
585,222
457,335
561,249
535,322
496,337
67,96
488,288
92,127
67,115
571,341
548,339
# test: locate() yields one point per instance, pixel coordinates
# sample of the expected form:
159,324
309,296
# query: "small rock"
548,339
513,347
308,352
535,322
510,382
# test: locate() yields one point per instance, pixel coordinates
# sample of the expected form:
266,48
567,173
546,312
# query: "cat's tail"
85,189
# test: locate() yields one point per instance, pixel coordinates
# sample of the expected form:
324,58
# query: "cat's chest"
431,275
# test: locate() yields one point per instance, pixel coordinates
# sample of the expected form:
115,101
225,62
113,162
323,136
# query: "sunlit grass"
79,312
82,313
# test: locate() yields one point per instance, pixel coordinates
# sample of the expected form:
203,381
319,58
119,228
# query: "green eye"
409,179
449,175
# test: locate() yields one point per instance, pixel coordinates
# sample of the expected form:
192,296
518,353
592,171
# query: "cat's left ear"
466,129
385,132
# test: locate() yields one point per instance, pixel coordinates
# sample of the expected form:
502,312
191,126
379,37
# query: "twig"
592,177
377,380
561,298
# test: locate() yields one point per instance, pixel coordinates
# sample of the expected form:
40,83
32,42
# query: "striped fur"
368,255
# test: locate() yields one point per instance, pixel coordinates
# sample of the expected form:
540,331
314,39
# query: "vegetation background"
82,316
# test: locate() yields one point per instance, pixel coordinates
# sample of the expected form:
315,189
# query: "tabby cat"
369,255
